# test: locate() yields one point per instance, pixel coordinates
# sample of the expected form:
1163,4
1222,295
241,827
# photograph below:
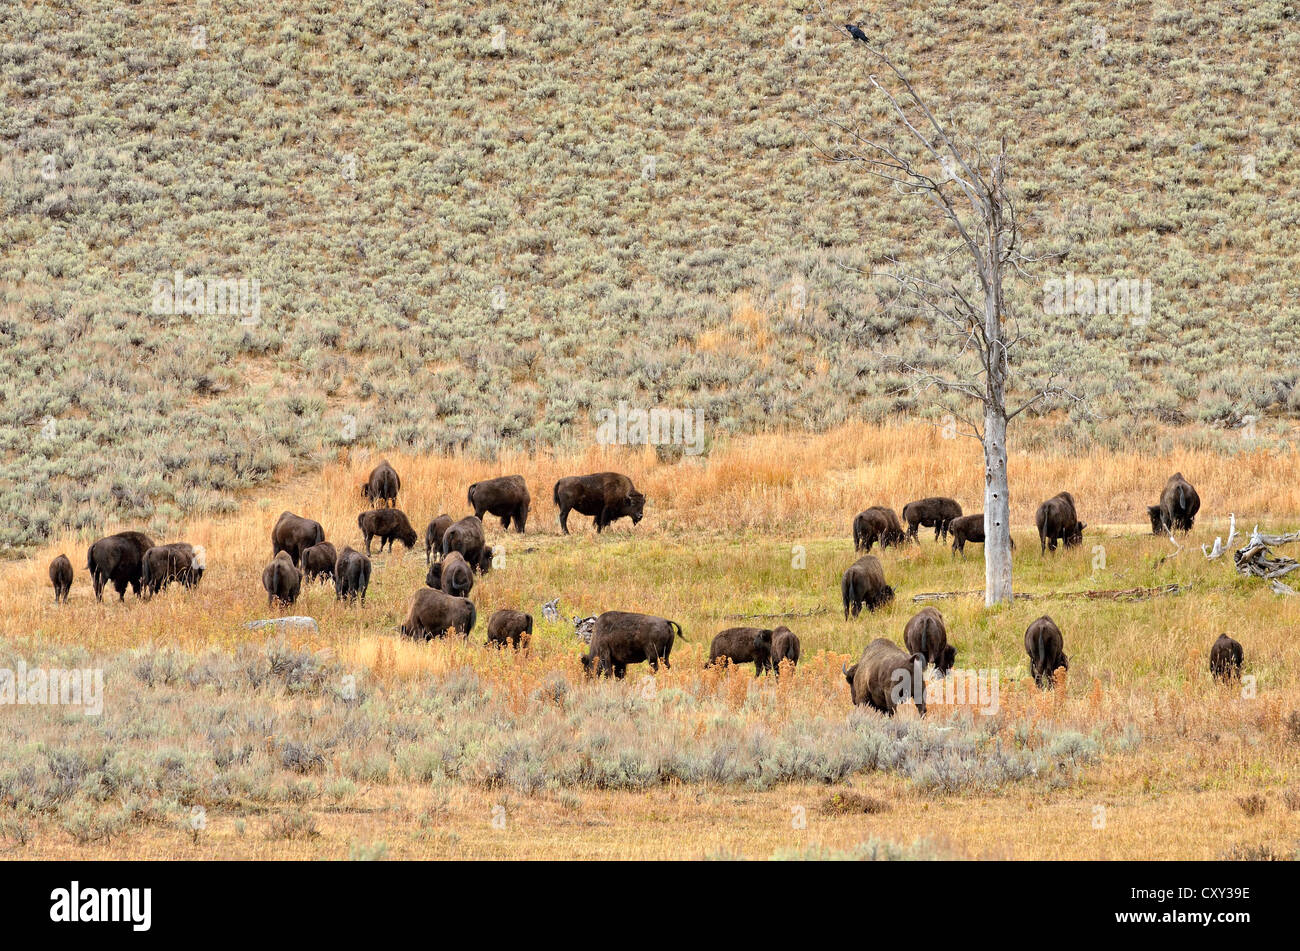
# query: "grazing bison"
120,559
163,564
886,676
509,627
433,613
876,524
622,637
785,646
1056,519
61,578
1043,644
1226,656
282,580
351,575
605,495
743,645
935,512
382,486
1178,506
295,534
864,583
387,524
466,537
433,536
926,634
452,575
968,528
318,562
506,497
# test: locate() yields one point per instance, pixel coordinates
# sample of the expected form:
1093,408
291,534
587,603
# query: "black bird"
855,31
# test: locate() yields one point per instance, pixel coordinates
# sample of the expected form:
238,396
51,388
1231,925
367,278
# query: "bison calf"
506,497
61,578
433,613
466,537
876,524
318,562
452,575
382,486
743,645
885,677
351,575
282,580
1226,657
433,536
926,634
387,524
864,584
509,627
623,637
785,646
1043,643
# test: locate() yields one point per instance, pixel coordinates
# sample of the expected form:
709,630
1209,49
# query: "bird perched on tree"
855,31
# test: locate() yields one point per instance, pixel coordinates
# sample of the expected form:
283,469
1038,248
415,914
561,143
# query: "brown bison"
382,486
864,584
118,558
433,613
282,580
622,637
61,578
607,496
968,528
433,536
509,627
506,497
318,562
388,524
1178,506
785,646
466,537
1043,643
935,512
885,677
452,575
876,524
1226,657
351,575
925,633
743,645
295,534
163,564
1056,519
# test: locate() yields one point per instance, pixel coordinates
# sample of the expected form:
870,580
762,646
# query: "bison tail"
469,494
677,629
555,494
528,626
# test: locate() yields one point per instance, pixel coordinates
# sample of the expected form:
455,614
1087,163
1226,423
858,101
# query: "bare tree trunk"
997,510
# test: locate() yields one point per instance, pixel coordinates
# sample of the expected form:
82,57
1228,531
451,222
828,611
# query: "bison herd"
456,551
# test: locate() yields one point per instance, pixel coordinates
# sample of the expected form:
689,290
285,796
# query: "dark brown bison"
935,512
351,575
466,537
282,580
885,677
509,627
506,497
1056,519
607,496
61,578
1178,506
382,486
622,637
876,524
318,562
387,524
163,564
864,583
452,575
968,528
433,536
785,646
1226,657
295,534
433,613
743,645
118,558
925,633
1043,643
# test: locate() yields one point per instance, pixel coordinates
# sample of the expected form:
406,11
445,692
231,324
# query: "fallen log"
747,617
1116,594
1257,559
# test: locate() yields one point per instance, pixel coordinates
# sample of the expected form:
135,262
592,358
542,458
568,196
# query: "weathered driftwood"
813,613
1257,559
1116,594
1220,546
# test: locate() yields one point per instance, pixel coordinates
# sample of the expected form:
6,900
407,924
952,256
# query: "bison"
968,528
622,637
61,578
452,575
1226,656
935,512
282,580
387,524
1056,519
318,562
295,534
509,627
1043,644
382,486
433,536
785,646
120,559
506,497
351,575
1178,506
163,564
607,496
876,524
925,633
433,613
466,537
743,645
864,583
885,676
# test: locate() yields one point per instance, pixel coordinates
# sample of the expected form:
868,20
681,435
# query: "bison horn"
844,668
